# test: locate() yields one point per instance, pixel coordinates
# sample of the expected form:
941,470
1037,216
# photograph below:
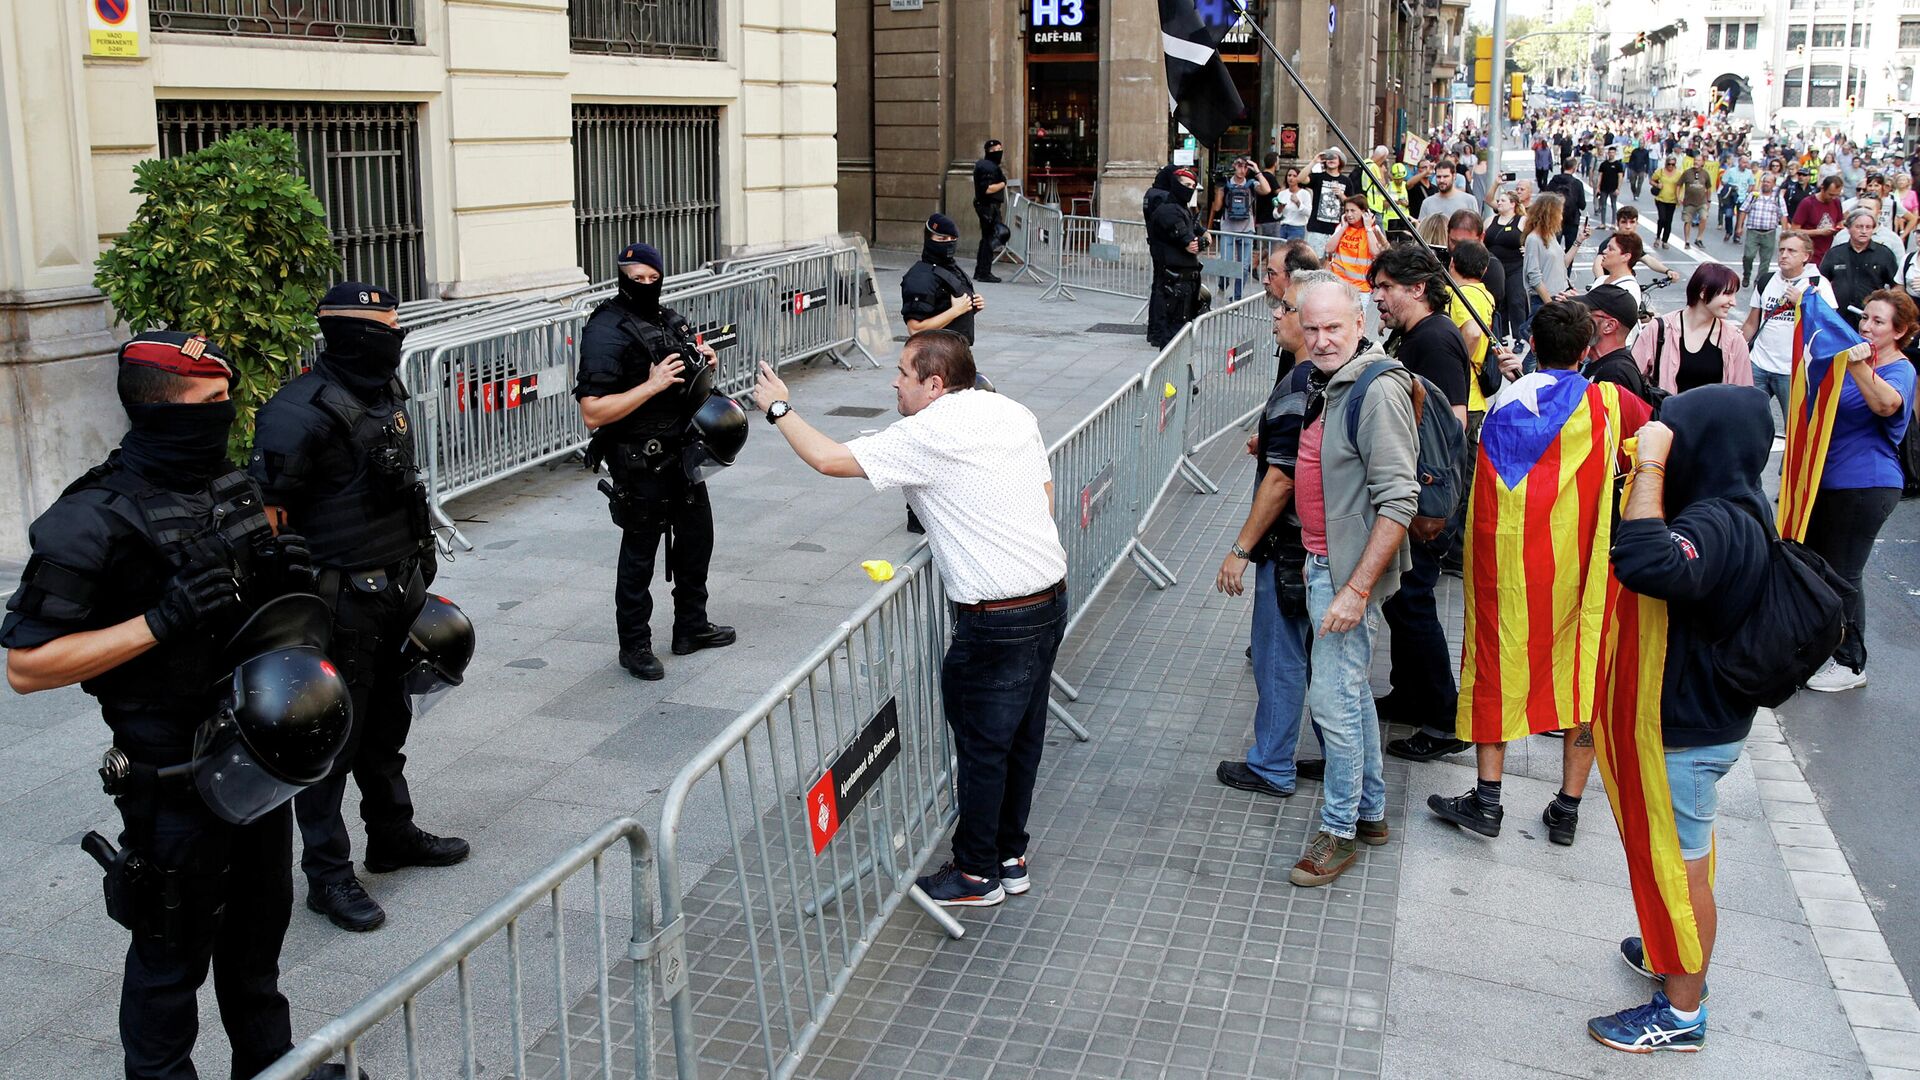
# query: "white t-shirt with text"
1772,349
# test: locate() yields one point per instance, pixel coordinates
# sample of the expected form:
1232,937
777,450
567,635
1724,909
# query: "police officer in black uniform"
334,454
141,572
935,294
990,205
1173,236
642,377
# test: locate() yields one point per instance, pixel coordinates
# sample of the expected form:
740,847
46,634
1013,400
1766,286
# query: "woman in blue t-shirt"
1861,482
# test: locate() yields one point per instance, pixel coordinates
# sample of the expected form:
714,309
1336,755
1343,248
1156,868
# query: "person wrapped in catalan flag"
1688,562
1539,520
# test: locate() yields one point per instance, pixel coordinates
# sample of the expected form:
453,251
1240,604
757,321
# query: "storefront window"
1063,102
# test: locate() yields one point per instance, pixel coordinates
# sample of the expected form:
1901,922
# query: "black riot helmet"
286,715
438,648
981,382
716,433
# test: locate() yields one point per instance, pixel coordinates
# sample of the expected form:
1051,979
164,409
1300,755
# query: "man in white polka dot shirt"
974,469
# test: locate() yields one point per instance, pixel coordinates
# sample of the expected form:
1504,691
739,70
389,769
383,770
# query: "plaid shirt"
1764,211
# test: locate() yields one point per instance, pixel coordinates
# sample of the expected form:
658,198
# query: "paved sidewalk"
1162,938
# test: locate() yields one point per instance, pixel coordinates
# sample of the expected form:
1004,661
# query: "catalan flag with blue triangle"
1539,523
1820,340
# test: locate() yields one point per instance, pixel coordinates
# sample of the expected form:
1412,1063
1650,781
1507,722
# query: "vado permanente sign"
848,779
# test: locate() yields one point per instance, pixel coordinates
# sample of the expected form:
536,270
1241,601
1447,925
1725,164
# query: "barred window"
362,160
677,29
1910,33
323,20
649,173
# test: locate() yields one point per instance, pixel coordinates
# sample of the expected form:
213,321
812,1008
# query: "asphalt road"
1856,748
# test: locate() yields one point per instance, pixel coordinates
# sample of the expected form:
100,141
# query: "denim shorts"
1692,773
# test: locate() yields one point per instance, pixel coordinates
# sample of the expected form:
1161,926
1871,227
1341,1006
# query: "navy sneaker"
1634,952
951,886
1013,876
1644,1029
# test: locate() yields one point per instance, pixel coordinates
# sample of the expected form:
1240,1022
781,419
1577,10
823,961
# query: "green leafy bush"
229,242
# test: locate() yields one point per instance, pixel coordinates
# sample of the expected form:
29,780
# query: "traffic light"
1640,40
1483,70
1517,97
1851,101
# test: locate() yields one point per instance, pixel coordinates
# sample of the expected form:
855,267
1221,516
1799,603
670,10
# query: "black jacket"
1620,368
1708,556
1170,228
1856,274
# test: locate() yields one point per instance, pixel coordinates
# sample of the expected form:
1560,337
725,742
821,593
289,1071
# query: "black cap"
1612,301
358,296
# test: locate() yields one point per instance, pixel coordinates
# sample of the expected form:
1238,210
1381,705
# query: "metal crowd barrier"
835,788
1104,256
1026,221
1235,262
1215,374
736,314
440,1023
1045,241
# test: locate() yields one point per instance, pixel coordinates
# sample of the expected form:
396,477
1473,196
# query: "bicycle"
1646,287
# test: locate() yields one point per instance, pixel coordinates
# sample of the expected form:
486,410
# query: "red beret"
189,355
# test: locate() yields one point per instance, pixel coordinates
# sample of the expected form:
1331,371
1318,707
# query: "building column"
987,100
1133,107
1316,70
911,83
58,413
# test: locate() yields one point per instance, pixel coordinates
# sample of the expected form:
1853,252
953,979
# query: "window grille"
649,173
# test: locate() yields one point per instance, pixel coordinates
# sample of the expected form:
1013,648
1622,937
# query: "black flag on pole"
1199,89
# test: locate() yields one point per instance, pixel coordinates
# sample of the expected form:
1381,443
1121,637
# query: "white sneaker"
1834,677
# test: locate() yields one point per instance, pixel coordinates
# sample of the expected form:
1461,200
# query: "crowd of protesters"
1653,489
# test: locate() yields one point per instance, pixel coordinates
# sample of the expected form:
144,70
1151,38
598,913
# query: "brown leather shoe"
1325,859
1372,833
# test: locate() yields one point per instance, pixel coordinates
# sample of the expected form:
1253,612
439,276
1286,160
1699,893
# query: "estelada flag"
1539,522
1633,764
1820,340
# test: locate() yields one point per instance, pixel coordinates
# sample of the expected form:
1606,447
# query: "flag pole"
1364,162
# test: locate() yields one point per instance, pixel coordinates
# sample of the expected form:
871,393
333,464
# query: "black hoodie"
1707,558
1171,225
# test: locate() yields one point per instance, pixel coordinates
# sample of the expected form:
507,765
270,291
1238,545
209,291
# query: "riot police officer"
935,294
334,454
989,205
141,572
642,377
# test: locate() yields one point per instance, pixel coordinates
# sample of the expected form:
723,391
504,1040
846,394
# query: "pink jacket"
1736,366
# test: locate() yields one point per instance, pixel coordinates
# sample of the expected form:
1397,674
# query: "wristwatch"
1241,553
777,410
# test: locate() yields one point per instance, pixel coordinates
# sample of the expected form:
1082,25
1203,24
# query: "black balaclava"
1721,437
361,354
995,152
1164,180
176,445
642,300
939,252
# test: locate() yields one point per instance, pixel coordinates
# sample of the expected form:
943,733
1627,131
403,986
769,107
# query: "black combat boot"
704,636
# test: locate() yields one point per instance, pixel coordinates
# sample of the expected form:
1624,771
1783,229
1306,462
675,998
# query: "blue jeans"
1292,232
1692,775
994,685
1280,658
1779,388
1238,250
1339,693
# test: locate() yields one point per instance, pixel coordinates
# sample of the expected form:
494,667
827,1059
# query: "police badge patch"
400,421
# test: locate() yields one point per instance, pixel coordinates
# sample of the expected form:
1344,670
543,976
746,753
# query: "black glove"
192,598
287,564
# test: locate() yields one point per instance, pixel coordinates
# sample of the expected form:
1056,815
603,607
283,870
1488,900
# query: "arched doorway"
1733,96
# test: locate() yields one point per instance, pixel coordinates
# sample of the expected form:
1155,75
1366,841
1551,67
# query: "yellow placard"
113,43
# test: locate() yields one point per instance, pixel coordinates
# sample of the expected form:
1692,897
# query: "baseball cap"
1612,301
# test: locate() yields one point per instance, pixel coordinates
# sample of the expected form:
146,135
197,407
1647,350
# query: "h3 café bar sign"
853,773
114,26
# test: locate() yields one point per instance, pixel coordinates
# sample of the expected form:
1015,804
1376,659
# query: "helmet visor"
231,781
700,464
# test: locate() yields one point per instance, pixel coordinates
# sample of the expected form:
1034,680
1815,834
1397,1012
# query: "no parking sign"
113,27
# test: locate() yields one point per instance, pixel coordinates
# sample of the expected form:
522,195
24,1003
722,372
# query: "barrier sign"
808,298
852,774
113,27
1094,492
719,338
510,392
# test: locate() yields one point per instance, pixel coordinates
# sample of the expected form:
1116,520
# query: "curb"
1879,1004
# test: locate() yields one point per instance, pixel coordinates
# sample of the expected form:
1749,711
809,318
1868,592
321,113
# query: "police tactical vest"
663,416
224,522
379,515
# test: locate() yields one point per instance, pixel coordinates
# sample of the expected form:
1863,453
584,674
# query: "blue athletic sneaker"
951,886
1644,1029
1013,876
1634,952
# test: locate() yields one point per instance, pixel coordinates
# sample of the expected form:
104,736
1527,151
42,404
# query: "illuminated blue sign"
1063,26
